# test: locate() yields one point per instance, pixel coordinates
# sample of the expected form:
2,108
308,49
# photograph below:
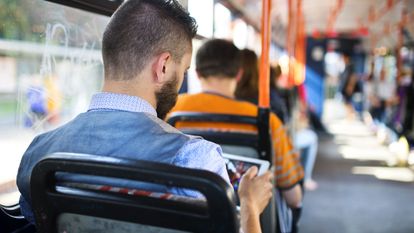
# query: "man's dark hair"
142,29
218,57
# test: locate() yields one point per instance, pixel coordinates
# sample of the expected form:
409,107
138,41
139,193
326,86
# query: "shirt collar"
217,94
121,102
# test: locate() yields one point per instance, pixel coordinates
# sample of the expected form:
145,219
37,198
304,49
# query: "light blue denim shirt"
188,155
121,126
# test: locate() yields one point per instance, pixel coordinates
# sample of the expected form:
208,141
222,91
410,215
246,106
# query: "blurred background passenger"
37,108
248,86
401,100
306,140
370,98
349,85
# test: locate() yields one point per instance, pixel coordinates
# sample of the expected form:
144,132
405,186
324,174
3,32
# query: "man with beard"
146,49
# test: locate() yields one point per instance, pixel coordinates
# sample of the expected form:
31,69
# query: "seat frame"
49,201
11,220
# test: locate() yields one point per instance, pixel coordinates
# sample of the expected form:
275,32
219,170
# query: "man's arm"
289,171
201,154
254,193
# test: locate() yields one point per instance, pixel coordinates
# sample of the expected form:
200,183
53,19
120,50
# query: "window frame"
101,7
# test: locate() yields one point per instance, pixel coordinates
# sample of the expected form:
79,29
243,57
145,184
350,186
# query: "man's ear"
160,67
239,75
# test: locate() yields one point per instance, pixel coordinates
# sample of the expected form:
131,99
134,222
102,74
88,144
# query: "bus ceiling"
377,22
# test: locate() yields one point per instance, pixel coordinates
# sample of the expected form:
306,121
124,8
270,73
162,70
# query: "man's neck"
129,88
221,86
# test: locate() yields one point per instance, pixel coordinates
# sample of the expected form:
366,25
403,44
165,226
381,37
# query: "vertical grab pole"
289,44
269,223
264,80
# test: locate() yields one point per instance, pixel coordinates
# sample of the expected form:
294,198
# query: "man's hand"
254,193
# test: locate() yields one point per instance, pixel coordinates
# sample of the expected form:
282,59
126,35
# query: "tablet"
238,165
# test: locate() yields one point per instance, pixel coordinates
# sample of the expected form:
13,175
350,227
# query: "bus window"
50,66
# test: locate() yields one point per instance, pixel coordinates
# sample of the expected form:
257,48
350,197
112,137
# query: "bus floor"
357,191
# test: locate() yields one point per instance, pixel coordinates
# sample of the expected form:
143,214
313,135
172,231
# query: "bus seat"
73,208
240,143
233,142
11,220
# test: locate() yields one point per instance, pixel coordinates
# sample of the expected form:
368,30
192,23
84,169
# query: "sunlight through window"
386,173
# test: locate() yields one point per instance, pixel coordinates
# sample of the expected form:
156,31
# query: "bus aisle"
357,191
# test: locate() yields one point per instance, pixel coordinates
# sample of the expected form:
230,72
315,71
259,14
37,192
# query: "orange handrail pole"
264,79
297,75
300,53
290,45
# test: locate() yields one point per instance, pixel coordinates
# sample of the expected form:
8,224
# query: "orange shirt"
288,168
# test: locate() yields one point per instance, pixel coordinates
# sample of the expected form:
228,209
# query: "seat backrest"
231,142
239,140
57,205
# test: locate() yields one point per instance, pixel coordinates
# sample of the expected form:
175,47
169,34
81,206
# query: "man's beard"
167,97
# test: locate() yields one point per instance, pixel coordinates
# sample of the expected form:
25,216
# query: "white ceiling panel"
352,16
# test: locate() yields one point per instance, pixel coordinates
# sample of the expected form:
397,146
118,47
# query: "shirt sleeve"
288,170
201,154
